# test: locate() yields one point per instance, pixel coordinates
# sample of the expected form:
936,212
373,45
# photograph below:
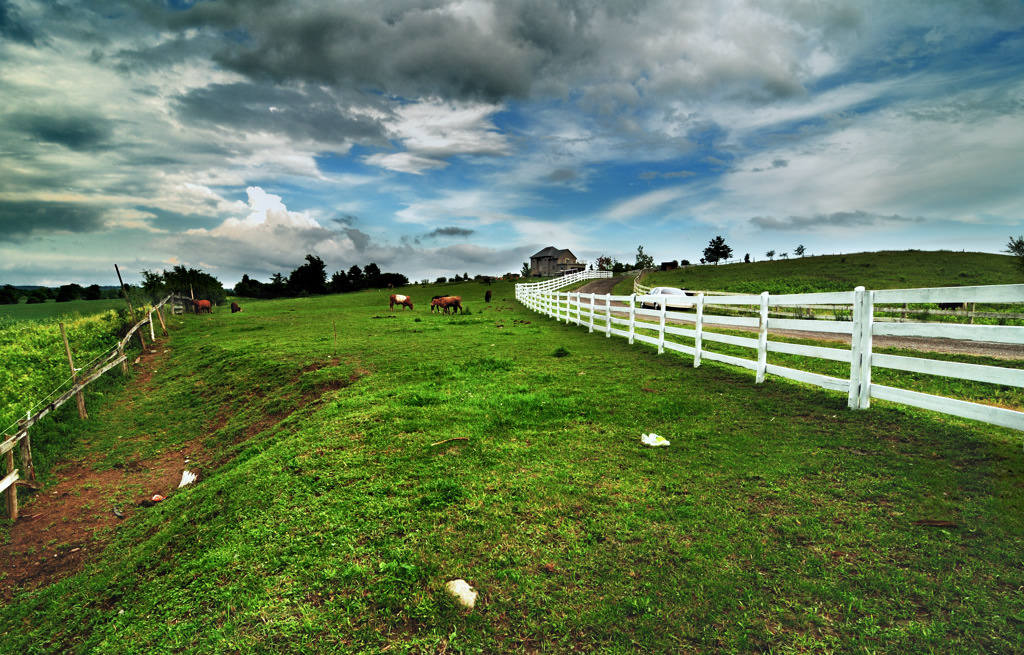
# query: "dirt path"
603,285
64,525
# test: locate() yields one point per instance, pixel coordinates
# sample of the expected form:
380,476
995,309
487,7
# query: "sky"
436,137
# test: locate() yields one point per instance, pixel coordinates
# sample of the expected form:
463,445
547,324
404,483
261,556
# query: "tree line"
11,295
310,278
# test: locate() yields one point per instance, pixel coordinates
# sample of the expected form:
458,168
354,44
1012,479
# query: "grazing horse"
453,303
203,306
235,307
399,299
487,296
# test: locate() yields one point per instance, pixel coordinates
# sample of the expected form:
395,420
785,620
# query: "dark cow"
203,306
487,296
399,299
952,305
235,307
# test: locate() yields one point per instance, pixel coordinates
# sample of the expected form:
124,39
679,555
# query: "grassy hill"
49,310
327,519
873,270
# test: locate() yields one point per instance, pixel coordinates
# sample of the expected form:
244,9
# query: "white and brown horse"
399,299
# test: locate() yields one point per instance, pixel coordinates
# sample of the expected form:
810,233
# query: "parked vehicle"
674,298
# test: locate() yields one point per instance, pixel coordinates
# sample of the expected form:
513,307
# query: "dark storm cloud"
78,132
406,49
561,175
836,219
309,113
359,238
449,232
19,219
11,25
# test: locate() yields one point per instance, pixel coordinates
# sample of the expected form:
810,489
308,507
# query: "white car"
675,298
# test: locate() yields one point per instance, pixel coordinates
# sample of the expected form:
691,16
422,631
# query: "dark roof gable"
550,251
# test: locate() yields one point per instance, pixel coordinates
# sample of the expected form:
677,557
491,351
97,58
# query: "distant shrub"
560,352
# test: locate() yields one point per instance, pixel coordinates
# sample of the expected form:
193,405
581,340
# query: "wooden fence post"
79,397
698,328
608,315
593,308
163,326
632,317
124,362
26,450
867,323
152,334
762,339
131,310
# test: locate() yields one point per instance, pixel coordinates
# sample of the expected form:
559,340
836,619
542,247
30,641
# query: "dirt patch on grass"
63,526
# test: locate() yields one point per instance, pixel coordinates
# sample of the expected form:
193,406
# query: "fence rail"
101,365
603,313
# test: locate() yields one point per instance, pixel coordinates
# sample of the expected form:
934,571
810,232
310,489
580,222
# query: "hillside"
344,479
872,270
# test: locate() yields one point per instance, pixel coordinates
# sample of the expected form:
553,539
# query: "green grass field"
873,270
53,310
777,520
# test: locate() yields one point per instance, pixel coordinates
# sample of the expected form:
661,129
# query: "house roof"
552,251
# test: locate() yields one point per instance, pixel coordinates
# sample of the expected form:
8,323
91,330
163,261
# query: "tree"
440,280
770,255
1016,248
9,295
69,292
746,258
604,263
339,282
185,280
371,275
784,255
685,262
37,296
310,277
717,250
799,250
355,277
92,292
643,260
525,270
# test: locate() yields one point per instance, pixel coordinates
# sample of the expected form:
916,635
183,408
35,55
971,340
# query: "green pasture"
57,310
326,521
905,269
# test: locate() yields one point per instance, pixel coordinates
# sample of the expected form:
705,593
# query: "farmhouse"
552,261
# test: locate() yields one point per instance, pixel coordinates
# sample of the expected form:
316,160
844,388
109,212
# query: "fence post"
152,334
856,345
632,317
26,450
608,315
698,328
12,491
593,308
163,326
124,362
661,329
762,339
79,398
867,322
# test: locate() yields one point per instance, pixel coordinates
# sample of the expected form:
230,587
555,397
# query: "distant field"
51,309
326,518
873,270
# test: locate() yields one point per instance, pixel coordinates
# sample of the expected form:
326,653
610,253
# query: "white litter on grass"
462,592
654,440
187,478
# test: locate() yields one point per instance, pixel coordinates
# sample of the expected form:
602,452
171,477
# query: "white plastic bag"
654,440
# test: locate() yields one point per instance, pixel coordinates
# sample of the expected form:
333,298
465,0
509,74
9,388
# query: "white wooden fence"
622,316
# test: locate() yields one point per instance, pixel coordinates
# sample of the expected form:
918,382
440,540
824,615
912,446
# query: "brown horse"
453,303
399,299
487,296
235,307
203,306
